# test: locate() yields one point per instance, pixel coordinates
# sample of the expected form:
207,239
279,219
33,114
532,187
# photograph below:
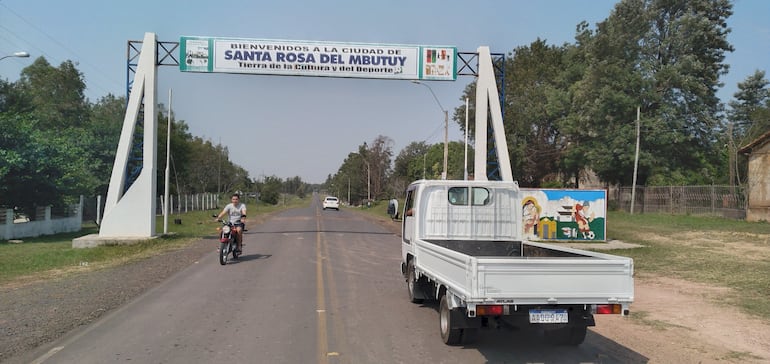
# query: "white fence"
93,209
69,219
185,203
43,223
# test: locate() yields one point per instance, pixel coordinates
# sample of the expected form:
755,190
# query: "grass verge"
50,256
720,252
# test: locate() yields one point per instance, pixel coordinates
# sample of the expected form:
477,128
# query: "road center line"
321,336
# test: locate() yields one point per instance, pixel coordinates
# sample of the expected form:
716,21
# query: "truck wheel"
449,334
571,335
411,283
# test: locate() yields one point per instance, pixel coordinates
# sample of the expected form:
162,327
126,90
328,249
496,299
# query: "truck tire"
571,335
412,285
449,333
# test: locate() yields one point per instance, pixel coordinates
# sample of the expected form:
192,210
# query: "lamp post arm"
432,93
17,54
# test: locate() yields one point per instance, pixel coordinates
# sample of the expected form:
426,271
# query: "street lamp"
17,54
446,127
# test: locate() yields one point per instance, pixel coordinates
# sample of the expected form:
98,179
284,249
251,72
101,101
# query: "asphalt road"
313,286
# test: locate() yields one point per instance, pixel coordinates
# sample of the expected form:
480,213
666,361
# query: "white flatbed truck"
462,245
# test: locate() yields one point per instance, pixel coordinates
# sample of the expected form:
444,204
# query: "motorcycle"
227,243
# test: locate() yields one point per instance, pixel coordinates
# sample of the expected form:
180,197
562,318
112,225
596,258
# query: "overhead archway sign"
312,58
130,207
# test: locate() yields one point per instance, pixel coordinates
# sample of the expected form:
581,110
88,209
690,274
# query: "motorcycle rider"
237,212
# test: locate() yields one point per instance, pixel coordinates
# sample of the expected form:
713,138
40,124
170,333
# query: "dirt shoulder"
671,320
676,321
33,314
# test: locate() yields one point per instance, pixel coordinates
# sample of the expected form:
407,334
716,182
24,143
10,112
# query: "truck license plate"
556,316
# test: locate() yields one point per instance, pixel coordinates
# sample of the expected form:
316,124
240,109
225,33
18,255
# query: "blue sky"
306,126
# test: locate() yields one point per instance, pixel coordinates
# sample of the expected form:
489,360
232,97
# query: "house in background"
758,151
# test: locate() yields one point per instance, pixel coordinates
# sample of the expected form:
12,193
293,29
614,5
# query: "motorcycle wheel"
223,251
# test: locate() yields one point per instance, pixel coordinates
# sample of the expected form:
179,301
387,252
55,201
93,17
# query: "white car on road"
331,202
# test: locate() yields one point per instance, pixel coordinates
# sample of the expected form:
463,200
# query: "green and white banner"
326,59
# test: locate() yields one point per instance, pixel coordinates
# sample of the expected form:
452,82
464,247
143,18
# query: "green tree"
378,156
41,166
350,177
752,95
270,190
747,120
409,163
105,124
295,186
537,104
12,100
664,57
56,95
51,154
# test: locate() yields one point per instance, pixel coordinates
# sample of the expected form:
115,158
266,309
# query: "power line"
60,44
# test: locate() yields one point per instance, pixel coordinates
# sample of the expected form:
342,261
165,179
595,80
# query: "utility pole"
166,207
219,169
465,164
636,160
730,153
368,183
446,143
423,163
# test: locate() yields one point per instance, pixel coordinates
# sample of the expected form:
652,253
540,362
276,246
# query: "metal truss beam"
468,65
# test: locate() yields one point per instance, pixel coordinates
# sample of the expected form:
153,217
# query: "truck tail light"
489,310
608,309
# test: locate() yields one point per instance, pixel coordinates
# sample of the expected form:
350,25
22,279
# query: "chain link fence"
721,201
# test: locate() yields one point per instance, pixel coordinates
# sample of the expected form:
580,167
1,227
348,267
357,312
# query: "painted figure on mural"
530,215
582,218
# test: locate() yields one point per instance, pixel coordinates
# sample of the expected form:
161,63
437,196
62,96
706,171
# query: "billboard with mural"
564,214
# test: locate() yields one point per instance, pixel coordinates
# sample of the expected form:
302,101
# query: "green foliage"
270,190
42,165
533,85
295,186
365,173
749,118
552,184
104,126
51,150
56,94
408,164
573,107
666,58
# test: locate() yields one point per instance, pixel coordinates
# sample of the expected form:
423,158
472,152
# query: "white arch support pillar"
131,214
488,102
